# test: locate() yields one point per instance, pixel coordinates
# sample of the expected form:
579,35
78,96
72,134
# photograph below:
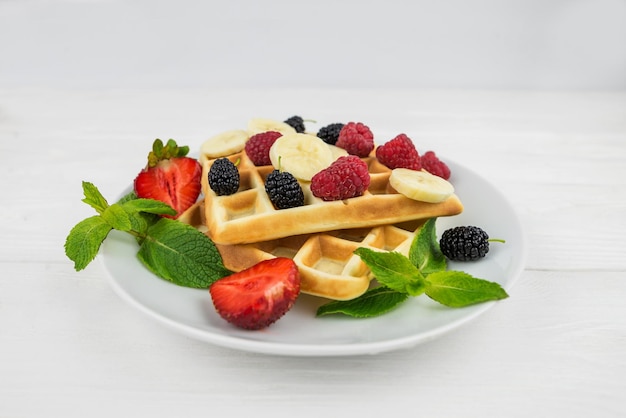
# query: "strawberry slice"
258,296
170,176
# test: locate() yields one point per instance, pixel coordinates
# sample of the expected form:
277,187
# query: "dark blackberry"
297,123
284,190
330,133
224,177
465,243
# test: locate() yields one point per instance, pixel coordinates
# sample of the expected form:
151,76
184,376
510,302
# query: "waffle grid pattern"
249,216
326,261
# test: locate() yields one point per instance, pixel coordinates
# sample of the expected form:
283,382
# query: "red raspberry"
258,147
432,164
347,177
399,153
356,138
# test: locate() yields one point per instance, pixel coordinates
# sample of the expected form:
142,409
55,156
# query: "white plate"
299,332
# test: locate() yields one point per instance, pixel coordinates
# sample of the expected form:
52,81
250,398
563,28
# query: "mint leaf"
170,249
374,302
148,206
140,222
127,197
93,197
458,289
84,240
425,253
393,270
144,212
181,254
117,218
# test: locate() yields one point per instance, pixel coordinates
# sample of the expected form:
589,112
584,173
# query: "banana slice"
223,144
302,155
258,125
337,152
420,185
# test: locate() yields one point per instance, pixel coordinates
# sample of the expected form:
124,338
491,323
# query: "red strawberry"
258,296
170,176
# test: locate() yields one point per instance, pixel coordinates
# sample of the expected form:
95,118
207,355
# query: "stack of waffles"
320,236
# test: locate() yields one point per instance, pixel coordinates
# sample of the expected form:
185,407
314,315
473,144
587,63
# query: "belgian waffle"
248,216
326,261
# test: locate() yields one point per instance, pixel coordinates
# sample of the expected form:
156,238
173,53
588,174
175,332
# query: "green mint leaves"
170,249
393,270
94,198
424,252
458,289
424,271
181,254
83,243
374,302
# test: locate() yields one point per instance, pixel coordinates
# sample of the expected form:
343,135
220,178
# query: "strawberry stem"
162,152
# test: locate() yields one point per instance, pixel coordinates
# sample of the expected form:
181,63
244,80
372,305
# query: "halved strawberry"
170,176
258,296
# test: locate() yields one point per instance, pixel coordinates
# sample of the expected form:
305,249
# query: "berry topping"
356,138
170,176
258,147
258,296
330,133
347,177
297,123
302,155
223,177
400,152
432,164
284,190
465,243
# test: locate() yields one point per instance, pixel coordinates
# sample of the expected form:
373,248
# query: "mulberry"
465,243
284,190
223,177
297,123
330,133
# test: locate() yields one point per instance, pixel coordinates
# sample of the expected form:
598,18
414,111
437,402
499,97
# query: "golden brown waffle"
326,261
249,216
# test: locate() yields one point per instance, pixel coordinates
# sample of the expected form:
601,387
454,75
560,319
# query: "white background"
506,44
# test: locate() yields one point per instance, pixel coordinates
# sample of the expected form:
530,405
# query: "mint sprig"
458,289
83,242
393,270
424,271
170,249
181,254
425,253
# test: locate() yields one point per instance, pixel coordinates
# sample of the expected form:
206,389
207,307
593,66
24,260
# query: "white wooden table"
69,346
